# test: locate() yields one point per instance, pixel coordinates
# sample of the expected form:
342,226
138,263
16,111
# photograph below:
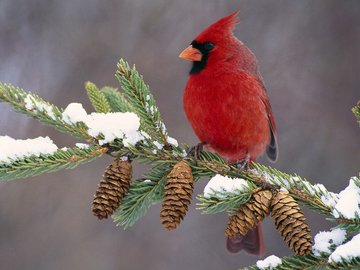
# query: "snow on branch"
270,262
16,150
332,250
25,158
39,109
106,126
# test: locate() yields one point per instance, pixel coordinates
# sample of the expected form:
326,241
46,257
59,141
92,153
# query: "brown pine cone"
249,214
112,188
290,222
178,191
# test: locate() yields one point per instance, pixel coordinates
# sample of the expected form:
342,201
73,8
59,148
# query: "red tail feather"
252,242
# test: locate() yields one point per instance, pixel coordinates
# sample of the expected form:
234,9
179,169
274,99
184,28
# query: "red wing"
272,149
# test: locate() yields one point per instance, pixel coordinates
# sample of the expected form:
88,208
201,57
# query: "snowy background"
309,54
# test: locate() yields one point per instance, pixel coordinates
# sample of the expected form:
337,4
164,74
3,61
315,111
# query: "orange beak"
191,54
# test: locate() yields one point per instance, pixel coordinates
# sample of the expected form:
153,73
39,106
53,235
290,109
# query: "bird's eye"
209,46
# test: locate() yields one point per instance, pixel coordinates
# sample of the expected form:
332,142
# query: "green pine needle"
142,101
41,110
97,98
61,159
311,262
221,202
116,100
142,194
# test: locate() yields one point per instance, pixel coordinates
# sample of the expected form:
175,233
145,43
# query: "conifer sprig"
97,98
41,110
222,202
143,193
62,159
116,100
143,102
297,262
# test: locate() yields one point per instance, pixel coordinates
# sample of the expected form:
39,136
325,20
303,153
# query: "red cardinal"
226,104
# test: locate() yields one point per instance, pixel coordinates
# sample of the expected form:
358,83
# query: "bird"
226,103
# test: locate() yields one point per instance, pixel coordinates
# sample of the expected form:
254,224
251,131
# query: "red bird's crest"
219,29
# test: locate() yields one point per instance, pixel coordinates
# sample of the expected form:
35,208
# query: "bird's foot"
196,150
243,164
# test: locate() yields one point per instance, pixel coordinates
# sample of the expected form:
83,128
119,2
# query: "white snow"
124,158
346,251
112,126
307,185
220,183
273,179
172,141
145,135
29,103
330,199
152,109
158,145
33,105
320,188
162,127
74,113
324,240
147,181
82,145
12,149
348,203
313,189
269,263
124,126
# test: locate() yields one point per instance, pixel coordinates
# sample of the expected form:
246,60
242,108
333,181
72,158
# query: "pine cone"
249,214
178,190
112,188
290,222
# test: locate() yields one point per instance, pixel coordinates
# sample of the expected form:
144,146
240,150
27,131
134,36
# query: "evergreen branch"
116,100
312,195
310,262
61,159
97,98
142,194
37,108
142,101
346,264
210,164
356,111
350,225
222,202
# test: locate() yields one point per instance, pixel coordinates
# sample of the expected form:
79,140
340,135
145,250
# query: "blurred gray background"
309,54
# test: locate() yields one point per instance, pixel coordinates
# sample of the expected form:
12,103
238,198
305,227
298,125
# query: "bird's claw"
195,151
243,164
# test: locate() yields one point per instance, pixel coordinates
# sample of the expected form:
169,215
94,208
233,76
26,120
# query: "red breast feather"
231,120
